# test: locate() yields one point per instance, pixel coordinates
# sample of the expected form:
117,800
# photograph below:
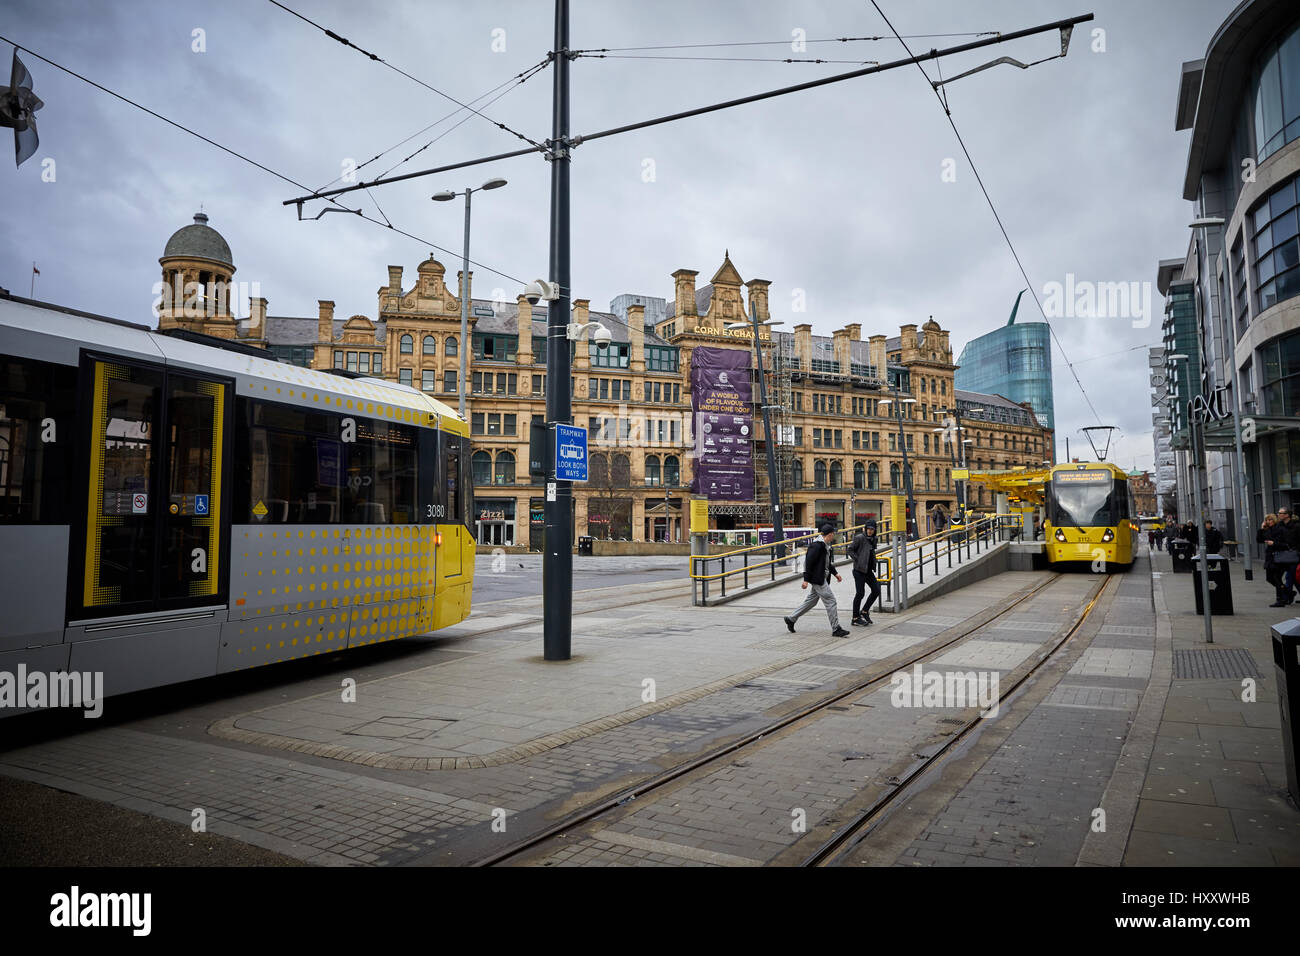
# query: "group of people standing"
1280,535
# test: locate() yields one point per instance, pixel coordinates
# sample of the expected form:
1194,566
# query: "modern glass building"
1233,299
1014,361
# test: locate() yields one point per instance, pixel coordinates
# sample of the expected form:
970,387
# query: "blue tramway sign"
570,453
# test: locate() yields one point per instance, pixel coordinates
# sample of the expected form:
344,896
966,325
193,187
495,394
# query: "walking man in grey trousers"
818,568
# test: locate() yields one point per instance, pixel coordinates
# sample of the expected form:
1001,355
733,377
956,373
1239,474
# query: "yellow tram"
1090,515
171,511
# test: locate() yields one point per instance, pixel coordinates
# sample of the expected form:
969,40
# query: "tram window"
121,527
293,461
380,479
1087,504
36,412
452,488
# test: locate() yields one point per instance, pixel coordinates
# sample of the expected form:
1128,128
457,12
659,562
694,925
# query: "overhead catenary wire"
415,79
517,80
786,42
716,59
714,107
989,199
252,162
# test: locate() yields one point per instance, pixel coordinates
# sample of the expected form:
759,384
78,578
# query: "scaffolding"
778,364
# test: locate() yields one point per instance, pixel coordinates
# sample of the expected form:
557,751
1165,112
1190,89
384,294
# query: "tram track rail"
879,674
848,836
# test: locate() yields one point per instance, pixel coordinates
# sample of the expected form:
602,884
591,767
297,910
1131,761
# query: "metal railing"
713,575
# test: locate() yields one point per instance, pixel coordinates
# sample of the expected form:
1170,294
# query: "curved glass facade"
1014,361
1276,245
1276,89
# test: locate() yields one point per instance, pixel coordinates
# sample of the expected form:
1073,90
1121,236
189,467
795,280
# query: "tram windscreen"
1084,499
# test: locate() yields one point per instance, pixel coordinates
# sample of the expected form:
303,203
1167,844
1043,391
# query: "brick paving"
1186,771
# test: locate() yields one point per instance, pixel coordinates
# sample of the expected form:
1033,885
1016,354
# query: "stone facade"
843,463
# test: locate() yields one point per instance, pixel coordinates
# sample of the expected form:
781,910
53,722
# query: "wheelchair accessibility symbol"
200,504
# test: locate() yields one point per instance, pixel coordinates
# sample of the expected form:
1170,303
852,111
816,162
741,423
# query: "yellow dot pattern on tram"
330,587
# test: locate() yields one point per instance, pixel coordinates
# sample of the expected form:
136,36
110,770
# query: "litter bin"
584,545
1220,584
1180,551
1286,647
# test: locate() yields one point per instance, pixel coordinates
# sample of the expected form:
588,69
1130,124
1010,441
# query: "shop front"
494,521
867,510
829,510
663,519
609,518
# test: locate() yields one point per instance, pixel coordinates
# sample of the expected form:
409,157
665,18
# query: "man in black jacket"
1213,538
818,568
863,552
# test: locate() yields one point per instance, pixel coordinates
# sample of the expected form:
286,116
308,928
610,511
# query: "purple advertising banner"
721,396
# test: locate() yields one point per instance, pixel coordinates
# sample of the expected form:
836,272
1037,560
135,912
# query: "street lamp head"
495,183
1206,221
443,196
908,401
1176,358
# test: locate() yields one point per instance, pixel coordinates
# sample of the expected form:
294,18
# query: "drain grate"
1225,662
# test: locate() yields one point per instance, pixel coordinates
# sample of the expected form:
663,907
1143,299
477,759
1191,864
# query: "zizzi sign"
491,516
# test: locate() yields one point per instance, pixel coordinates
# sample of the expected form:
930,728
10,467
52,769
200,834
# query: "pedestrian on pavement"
863,552
1271,538
818,568
1151,539
1160,537
1213,538
1286,536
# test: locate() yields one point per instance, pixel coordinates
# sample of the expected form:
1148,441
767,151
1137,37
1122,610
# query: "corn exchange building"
846,408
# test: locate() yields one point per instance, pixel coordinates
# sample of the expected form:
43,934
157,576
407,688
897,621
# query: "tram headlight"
1107,536
1060,535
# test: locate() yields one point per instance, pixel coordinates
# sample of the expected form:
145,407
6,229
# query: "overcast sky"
837,194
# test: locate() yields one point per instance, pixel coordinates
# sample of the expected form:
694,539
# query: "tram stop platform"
450,748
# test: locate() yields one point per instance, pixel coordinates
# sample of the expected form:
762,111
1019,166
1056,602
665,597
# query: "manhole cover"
1214,662
395,728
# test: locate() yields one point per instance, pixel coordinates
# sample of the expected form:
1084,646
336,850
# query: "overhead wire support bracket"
1010,61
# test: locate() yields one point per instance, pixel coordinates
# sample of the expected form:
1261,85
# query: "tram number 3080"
435,511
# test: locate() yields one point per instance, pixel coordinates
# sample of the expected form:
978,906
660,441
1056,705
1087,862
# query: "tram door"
156,491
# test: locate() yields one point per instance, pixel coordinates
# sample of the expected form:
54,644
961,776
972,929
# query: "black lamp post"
774,487
898,402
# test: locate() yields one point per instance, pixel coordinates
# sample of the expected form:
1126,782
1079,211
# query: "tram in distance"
171,510
1090,515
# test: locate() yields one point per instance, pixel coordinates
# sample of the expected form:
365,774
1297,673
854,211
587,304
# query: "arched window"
598,470
430,345
873,476
894,477
837,475
451,347
652,470
819,474
911,475
620,471
672,472
505,474
859,476
482,462
407,345
927,479
796,474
